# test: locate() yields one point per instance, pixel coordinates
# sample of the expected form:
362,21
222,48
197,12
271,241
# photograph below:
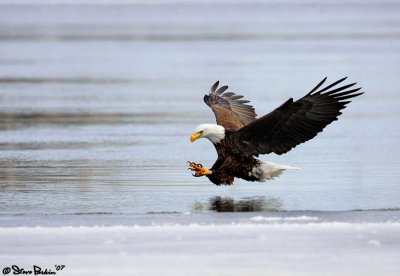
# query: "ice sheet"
328,248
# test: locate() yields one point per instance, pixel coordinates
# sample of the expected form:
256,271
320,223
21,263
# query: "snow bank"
314,248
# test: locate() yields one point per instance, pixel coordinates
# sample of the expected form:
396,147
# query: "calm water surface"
97,104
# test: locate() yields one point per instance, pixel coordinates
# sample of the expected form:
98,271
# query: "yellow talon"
198,169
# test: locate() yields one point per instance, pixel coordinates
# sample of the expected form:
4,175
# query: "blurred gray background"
98,99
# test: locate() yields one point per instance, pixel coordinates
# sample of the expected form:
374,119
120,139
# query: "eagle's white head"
214,133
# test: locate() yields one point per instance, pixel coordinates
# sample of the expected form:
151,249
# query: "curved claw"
198,169
192,164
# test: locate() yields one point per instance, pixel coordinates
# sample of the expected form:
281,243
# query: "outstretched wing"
296,122
230,110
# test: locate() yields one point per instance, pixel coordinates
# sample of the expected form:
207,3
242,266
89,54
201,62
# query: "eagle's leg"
198,169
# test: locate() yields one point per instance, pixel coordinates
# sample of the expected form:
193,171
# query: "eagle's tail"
267,170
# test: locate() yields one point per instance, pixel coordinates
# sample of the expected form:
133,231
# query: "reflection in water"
251,204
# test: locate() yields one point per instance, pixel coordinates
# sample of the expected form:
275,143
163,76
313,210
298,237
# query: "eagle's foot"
198,169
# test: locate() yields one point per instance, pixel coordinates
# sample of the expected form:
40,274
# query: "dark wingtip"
332,85
317,86
206,99
221,90
214,87
356,94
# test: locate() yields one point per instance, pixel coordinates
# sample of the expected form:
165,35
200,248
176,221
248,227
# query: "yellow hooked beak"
195,136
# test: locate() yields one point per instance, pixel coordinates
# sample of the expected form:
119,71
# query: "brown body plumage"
239,137
231,163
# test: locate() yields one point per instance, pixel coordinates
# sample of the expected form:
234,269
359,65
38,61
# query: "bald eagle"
239,137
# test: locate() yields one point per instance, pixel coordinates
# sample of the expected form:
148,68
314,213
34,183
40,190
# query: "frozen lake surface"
246,243
97,103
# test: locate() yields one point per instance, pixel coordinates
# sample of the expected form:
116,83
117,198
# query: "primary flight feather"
239,136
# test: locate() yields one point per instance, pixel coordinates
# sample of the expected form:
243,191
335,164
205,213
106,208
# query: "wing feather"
231,111
295,122
221,90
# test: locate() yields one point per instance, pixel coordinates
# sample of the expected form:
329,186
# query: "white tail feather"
268,170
